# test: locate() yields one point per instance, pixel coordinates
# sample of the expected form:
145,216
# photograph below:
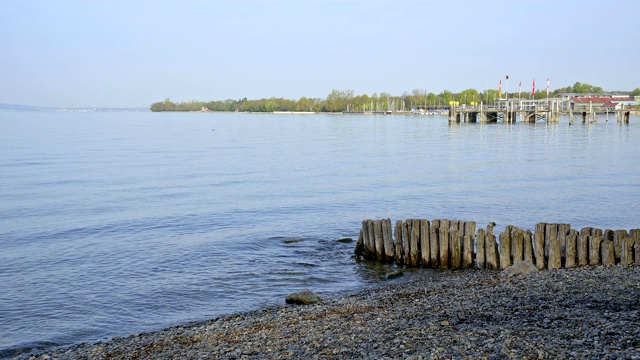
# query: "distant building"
598,102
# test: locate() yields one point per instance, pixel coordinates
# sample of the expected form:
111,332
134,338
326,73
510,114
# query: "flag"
548,88
507,77
520,89
500,89
533,90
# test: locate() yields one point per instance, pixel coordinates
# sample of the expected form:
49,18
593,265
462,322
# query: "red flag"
533,90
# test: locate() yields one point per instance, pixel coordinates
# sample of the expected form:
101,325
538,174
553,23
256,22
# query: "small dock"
530,111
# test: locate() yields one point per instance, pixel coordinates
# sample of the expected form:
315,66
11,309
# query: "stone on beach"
520,268
304,297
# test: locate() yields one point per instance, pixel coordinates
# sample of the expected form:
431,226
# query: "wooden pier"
454,244
530,111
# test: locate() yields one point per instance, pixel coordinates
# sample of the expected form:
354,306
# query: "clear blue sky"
131,53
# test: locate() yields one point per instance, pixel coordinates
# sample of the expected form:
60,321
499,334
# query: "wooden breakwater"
454,244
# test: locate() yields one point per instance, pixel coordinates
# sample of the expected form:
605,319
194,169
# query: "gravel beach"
581,313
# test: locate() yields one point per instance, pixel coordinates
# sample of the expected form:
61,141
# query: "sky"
132,53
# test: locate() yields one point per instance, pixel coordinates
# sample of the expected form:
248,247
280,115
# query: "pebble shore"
581,313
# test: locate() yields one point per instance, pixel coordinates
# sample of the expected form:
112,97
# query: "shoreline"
588,312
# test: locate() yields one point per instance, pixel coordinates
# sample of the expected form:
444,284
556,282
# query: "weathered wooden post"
563,232
443,245
467,251
470,228
379,241
555,259
433,244
528,246
538,249
517,244
360,244
425,248
594,250
570,251
637,252
455,244
387,236
583,246
491,251
618,236
406,248
415,240
372,239
398,243
480,253
551,232
626,254
369,247
607,252
505,250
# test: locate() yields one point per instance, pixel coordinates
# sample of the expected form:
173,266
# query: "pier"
531,111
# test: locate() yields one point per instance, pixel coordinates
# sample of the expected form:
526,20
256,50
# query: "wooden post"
586,231
538,249
528,246
597,232
594,250
618,235
387,235
563,232
455,244
369,246
443,246
637,252
555,259
470,228
626,254
379,241
480,253
505,250
551,232
607,253
398,243
406,233
491,251
425,249
415,240
360,244
570,253
434,251
517,244
583,254
540,228
467,252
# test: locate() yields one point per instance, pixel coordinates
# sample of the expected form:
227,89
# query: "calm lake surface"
119,223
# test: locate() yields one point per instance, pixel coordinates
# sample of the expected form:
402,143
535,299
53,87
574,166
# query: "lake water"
119,223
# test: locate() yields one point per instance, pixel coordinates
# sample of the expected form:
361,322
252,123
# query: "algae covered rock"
304,297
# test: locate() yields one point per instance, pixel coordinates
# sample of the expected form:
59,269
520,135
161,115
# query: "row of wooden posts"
454,244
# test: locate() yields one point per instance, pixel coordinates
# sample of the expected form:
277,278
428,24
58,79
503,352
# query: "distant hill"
17,107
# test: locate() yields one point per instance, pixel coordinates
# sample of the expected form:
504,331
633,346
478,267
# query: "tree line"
347,100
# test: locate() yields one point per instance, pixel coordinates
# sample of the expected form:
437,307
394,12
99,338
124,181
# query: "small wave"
27,349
